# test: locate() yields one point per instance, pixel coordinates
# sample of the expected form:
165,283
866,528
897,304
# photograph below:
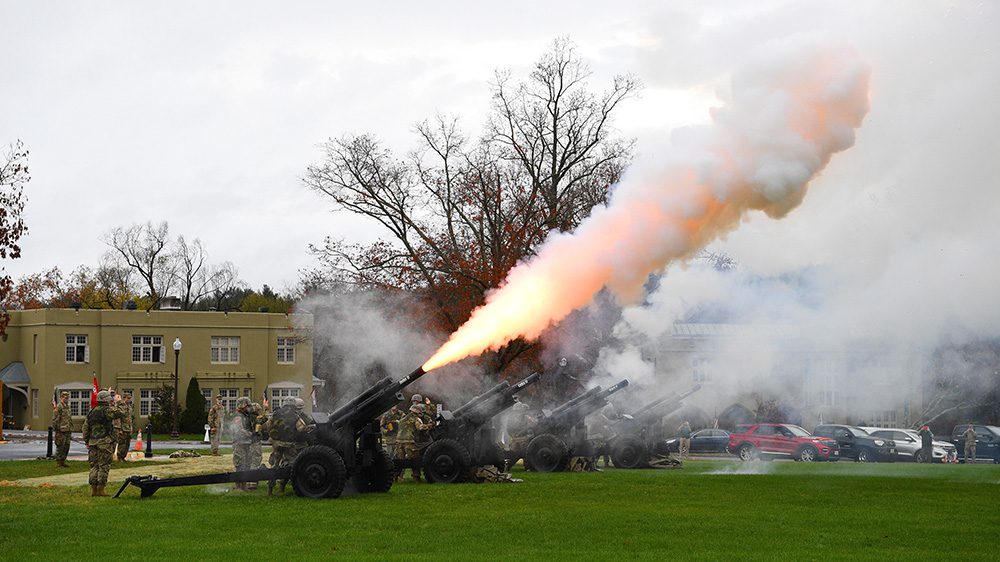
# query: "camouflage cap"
64,393
416,398
104,396
298,403
417,408
242,402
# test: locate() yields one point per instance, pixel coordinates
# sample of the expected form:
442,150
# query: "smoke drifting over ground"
361,337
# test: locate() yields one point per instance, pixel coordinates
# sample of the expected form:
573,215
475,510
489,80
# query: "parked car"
769,440
855,443
703,441
908,446
987,441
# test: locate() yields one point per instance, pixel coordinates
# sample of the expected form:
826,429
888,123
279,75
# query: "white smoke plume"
788,113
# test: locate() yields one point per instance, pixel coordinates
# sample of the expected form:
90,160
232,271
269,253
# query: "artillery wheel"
446,461
629,452
547,453
318,472
377,477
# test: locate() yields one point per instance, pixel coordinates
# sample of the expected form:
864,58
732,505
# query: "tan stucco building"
231,354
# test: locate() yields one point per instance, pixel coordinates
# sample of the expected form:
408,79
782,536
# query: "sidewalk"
27,445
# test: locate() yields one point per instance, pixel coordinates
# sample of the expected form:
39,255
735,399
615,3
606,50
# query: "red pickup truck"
769,440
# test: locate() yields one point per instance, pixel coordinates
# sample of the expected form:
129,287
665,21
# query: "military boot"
93,490
100,491
61,464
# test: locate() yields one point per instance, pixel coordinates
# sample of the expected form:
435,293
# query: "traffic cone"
138,441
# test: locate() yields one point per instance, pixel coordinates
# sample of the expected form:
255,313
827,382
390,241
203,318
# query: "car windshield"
798,431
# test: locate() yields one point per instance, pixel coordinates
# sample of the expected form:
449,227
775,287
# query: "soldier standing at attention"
410,426
242,437
117,433
98,434
970,443
685,439
926,444
389,423
126,431
215,417
62,425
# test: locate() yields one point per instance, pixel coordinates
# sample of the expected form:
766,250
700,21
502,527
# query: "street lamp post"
177,359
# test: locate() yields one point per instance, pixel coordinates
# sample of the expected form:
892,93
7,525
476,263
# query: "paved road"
26,445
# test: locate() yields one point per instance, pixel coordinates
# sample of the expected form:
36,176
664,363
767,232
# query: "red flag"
93,393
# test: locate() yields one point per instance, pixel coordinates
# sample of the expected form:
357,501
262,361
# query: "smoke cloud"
788,113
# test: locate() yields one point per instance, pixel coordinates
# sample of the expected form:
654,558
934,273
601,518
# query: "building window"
248,393
207,393
77,350
147,349
281,396
700,367
286,351
34,348
147,402
225,349
79,402
34,402
884,418
228,397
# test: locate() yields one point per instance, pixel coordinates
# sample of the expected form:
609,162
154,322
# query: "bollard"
149,440
48,450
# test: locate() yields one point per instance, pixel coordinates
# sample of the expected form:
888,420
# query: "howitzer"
561,434
347,445
464,438
640,435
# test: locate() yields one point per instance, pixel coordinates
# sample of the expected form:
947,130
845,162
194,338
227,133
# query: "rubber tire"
806,453
547,453
318,472
629,452
379,476
864,455
747,452
446,461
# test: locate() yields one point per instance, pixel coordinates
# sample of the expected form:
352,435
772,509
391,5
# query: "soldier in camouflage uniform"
62,425
216,415
98,434
521,429
125,436
410,427
389,424
970,443
288,437
243,426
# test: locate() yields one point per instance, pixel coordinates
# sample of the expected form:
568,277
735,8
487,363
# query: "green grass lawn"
707,511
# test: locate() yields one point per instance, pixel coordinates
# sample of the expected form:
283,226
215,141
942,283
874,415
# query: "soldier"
684,446
62,425
389,424
289,432
926,444
601,434
431,409
125,436
98,434
256,460
243,426
521,428
410,426
216,414
970,443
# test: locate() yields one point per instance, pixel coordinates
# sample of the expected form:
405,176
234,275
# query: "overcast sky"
206,114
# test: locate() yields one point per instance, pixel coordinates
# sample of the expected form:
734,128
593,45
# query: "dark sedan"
703,441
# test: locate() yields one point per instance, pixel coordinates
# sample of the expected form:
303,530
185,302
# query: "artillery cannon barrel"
528,381
481,398
574,401
374,402
371,390
674,402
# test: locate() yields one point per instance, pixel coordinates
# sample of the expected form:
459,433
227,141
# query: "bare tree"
194,277
13,176
459,213
144,249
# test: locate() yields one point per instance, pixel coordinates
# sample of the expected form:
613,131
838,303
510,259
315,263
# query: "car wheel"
864,455
807,454
747,452
919,456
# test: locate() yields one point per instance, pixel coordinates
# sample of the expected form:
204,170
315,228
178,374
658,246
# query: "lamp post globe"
174,434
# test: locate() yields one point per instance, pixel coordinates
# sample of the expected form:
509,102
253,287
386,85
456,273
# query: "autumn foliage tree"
13,176
459,212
